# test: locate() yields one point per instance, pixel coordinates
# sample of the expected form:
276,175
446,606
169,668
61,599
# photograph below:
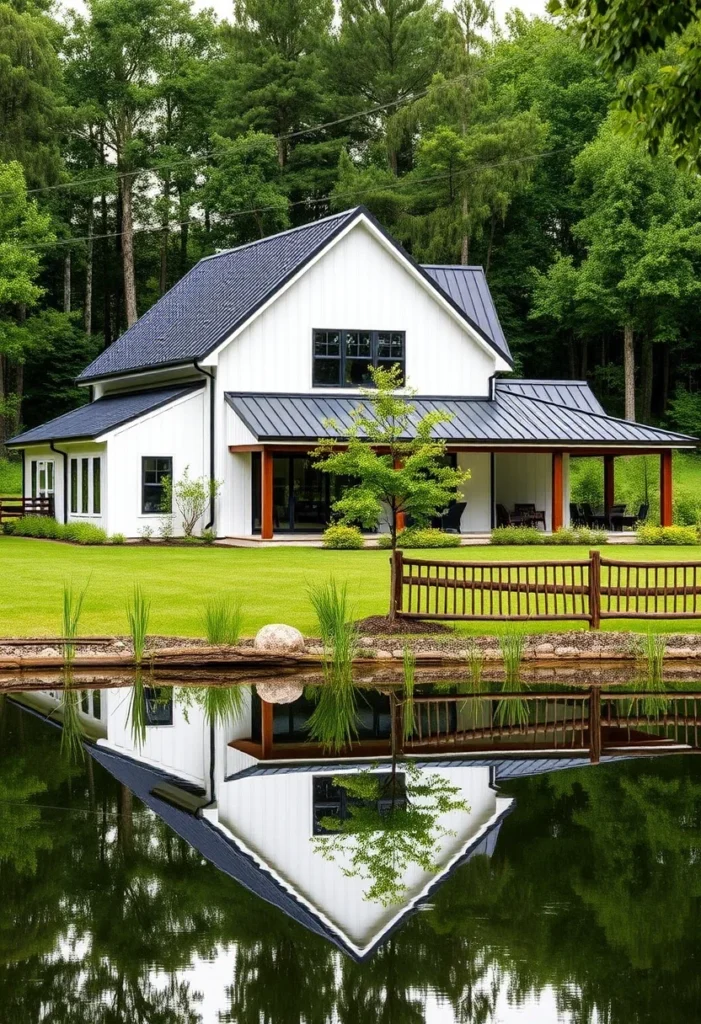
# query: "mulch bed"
379,625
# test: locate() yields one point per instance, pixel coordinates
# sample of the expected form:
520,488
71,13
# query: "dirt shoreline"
176,652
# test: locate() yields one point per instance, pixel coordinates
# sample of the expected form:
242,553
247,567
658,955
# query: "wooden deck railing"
585,590
15,508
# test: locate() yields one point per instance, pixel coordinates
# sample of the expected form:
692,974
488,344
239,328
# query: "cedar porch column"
266,494
557,516
266,729
666,488
609,484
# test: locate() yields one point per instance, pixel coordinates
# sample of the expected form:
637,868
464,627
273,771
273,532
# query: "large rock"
279,693
278,637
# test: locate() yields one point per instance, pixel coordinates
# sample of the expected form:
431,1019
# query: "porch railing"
15,508
585,590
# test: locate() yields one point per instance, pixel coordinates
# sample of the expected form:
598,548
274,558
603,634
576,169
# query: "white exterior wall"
524,478
477,517
178,430
356,285
89,450
272,816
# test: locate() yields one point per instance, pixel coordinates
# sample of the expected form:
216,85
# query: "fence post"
594,589
595,725
397,580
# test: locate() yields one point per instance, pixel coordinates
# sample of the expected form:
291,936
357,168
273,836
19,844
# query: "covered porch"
291,500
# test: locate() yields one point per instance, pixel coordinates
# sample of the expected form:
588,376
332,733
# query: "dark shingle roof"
509,418
219,294
98,417
468,288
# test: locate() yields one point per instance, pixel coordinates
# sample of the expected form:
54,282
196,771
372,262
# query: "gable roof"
510,418
223,291
468,288
96,418
575,394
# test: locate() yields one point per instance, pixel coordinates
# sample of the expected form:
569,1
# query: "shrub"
191,496
146,533
83,533
209,536
118,538
165,528
517,535
49,529
667,535
341,537
581,535
687,508
420,537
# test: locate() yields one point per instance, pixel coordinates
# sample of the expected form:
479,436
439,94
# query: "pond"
170,853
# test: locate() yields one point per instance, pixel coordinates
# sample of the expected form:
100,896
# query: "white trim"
500,363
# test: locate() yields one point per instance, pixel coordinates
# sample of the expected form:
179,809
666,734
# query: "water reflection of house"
254,819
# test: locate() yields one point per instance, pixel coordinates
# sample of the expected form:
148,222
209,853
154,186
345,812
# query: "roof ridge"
452,266
279,234
605,416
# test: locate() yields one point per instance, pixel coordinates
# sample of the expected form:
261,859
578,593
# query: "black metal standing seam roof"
509,418
96,418
572,393
468,288
223,291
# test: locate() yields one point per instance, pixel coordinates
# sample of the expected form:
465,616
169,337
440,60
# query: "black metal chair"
528,514
591,519
630,521
616,515
450,520
576,517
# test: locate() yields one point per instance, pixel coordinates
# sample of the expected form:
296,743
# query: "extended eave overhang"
509,421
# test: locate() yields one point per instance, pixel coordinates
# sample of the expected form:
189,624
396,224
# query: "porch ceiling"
510,418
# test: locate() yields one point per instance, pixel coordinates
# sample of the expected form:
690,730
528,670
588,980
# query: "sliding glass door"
302,495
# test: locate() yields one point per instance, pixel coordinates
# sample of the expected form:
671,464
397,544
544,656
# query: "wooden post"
595,589
666,488
609,485
266,729
557,517
595,725
266,492
397,581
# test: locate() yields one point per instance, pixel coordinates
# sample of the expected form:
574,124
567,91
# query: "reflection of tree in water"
593,889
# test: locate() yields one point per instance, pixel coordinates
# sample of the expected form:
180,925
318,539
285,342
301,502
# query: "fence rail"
585,590
15,508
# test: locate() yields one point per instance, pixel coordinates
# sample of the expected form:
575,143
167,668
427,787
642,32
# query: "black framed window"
158,705
154,470
343,358
96,486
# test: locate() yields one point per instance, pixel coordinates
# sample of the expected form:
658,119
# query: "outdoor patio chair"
576,517
630,521
529,515
616,514
450,520
598,520
505,518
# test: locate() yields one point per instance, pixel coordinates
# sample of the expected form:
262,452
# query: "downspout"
212,754
212,498
24,473
53,448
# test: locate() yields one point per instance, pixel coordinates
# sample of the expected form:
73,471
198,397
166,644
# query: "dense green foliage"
340,537
668,535
420,537
582,535
48,529
150,134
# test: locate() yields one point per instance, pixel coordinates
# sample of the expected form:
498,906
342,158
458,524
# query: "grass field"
271,582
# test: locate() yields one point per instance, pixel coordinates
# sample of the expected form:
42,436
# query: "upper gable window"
341,359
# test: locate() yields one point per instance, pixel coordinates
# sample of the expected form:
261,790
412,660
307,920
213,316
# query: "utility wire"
306,202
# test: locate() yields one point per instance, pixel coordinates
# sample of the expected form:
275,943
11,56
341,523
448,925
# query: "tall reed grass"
72,732
138,614
137,710
409,670
70,618
512,642
222,620
334,721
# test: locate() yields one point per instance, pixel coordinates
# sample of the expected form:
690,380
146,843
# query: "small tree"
379,844
191,496
396,465
394,462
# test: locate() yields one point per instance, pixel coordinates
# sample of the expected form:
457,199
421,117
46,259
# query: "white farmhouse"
235,370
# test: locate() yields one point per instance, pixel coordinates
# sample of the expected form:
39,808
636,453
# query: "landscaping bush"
667,535
576,535
516,535
48,529
341,537
118,538
687,508
420,537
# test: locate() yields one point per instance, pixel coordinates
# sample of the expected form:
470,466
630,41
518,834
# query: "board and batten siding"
357,285
178,430
272,815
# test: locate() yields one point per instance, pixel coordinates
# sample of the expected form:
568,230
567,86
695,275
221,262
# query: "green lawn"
272,582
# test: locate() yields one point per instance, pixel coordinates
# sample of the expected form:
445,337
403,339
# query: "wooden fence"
587,590
15,508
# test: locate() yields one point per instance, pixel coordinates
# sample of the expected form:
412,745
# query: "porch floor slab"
314,540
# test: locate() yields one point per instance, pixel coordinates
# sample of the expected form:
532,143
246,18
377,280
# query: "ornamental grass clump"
70,618
72,733
138,613
222,620
512,711
408,711
334,721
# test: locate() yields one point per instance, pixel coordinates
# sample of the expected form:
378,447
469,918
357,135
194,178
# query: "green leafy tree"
380,845
246,177
395,462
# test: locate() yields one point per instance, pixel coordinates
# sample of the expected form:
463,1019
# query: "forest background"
137,136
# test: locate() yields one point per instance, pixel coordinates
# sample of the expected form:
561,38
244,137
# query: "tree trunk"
646,379
490,246
629,372
125,185
465,247
165,230
67,282
572,353
119,277
105,256
585,359
281,153
87,313
184,233
16,417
